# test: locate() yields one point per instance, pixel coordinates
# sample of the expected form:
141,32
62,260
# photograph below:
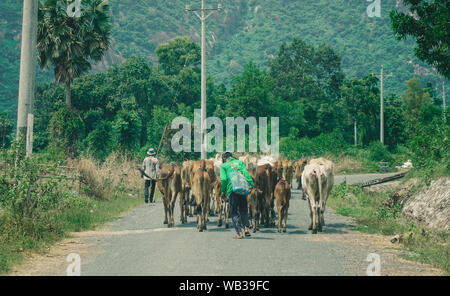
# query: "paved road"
139,244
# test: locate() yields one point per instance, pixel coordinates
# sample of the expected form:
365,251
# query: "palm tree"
70,44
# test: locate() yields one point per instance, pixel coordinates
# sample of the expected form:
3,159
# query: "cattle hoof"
165,222
219,224
314,231
284,230
227,225
310,228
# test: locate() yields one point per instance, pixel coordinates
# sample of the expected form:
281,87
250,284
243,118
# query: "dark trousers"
147,184
239,211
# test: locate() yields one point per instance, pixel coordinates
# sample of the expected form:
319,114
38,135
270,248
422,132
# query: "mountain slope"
245,30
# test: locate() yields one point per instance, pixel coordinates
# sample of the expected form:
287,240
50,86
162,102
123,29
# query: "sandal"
247,232
238,236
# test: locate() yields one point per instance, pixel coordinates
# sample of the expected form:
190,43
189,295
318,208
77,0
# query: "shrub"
378,152
93,184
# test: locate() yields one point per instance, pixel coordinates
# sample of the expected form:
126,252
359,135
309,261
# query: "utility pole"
202,16
27,66
382,104
443,97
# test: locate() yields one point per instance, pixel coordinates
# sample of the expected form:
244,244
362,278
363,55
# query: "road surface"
139,244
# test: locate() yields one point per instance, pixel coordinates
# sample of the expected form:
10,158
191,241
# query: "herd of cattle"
197,183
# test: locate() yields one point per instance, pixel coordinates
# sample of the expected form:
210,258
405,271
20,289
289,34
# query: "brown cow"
169,184
299,165
254,205
184,201
282,197
288,171
201,190
263,182
223,205
317,181
186,170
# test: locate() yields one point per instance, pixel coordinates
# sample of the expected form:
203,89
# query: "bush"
430,147
295,148
66,129
378,152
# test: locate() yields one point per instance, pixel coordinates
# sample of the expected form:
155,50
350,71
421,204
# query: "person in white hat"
150,170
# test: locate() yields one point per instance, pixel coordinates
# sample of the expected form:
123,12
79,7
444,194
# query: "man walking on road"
238,203
150,170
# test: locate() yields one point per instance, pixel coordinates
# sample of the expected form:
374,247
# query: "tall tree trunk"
68,96
27,65
356,138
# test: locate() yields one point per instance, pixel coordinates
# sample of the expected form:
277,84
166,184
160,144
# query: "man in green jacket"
238,203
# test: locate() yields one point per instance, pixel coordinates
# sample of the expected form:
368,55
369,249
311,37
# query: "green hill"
246,30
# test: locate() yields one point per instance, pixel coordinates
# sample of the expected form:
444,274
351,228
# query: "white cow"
317,181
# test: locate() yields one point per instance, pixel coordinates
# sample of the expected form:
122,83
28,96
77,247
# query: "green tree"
250,94
127,126
429,23
177,54
313,76
70,44
394,132
100,141
359,99
414,99
66,130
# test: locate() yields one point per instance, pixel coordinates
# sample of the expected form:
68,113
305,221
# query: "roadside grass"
78,213
39,205
374,214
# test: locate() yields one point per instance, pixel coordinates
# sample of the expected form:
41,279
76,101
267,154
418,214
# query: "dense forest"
246,30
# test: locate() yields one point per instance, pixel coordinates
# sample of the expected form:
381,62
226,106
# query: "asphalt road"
139,244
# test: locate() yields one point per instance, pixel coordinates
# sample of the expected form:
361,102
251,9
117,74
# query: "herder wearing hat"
150,171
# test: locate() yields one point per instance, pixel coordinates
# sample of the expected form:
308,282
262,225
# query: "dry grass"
346,164
99,180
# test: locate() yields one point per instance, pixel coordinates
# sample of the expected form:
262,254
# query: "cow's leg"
165,210
227,213
205,214
280,216
272,212
199,218
182,212
219,211
310,215
285,216
256,214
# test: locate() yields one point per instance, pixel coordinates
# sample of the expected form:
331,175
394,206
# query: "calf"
186,170
282,197
201,190
169,184
317,181
184,201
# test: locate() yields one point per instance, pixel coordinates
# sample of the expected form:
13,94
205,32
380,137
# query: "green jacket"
225,170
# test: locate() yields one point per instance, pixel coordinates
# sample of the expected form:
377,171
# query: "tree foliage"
70,44
429,23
